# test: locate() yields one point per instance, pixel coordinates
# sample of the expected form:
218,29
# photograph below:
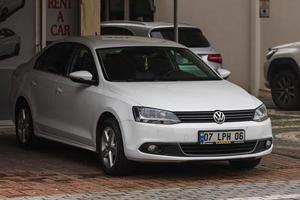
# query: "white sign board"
62,19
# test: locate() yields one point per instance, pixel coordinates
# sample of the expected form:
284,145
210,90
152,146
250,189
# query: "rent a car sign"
61,19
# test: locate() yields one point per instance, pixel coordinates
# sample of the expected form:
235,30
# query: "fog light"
153,148
268,144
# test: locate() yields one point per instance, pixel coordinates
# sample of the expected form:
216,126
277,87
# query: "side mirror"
84,77
224,73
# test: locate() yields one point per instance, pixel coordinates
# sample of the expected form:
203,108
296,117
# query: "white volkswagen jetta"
137,99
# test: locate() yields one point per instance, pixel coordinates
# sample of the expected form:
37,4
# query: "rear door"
49,66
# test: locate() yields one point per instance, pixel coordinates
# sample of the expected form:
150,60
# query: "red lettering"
67,30
60,17
53,30
60,30
66,4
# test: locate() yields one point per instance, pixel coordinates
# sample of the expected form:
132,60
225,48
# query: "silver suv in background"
282,74
189,36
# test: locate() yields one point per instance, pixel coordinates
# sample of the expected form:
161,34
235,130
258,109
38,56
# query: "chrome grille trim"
207,116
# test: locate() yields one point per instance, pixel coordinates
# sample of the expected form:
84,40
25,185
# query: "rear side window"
55,59
115,31
189,37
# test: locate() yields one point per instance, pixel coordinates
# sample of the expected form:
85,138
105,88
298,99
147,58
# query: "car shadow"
67,160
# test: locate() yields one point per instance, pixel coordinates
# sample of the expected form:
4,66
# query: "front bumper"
135,135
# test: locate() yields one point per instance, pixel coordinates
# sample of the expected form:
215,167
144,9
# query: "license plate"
221,137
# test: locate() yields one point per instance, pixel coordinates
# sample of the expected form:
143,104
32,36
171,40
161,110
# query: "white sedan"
10,43
137,99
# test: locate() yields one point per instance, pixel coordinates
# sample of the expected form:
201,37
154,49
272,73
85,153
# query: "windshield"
137,64
190,37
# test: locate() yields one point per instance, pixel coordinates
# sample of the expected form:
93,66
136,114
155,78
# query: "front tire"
245,164
24,127
111,150
285,89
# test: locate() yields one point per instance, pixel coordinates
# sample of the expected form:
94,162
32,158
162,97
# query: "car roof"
149,25
98,42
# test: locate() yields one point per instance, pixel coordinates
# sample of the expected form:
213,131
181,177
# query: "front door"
77,108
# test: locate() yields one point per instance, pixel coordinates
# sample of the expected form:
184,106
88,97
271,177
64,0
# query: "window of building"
139,10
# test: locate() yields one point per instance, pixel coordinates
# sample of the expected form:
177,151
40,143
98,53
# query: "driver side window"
84,61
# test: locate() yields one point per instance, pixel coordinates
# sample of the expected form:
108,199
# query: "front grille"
218,149
207,116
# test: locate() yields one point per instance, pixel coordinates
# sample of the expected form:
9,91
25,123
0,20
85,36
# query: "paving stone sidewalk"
65,172
250,191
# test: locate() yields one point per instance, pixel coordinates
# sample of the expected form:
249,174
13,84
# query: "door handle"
33,83
59,91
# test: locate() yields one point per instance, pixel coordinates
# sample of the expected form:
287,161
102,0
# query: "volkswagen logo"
219,117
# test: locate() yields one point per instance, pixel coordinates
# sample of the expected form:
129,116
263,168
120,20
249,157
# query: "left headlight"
154,116
261,114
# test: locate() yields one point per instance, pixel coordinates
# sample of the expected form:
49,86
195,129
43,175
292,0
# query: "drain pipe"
176,20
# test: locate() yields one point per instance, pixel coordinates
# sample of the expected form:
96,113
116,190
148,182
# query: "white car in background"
137,99
282,74
7,7
10,43
189,36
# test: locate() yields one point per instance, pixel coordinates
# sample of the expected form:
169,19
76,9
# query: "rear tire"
111,150
245,164
24,127
285,89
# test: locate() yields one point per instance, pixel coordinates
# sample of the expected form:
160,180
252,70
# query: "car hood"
295,44
186,96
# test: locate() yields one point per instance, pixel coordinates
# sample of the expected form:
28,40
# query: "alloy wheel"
109,147
284,90
23,129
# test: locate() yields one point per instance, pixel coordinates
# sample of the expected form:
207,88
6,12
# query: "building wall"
225,23
22,23
282,27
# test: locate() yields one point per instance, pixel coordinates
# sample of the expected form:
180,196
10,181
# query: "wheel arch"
280,64
104,116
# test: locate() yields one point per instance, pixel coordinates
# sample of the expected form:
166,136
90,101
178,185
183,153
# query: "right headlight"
154,116
261,114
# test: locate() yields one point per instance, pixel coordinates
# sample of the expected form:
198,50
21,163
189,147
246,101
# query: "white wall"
225,23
